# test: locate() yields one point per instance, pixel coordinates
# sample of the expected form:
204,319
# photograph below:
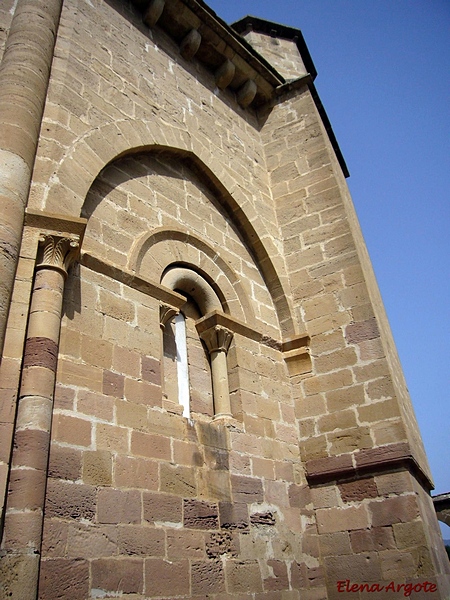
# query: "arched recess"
150,252
73,177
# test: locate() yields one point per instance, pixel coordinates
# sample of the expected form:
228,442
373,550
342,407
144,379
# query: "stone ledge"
372,461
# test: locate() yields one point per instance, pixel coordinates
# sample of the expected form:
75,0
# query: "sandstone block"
279,577
243,576
91,541
233,515
70,501
167,578
335,544
162,508
71,430
119,506
150,445
142,392
138,473
184,543
118,575
140,541
64,579
31,447
97,467
113,384
207,578
200,515
95,405
393,510
366,565
110,437
356,491
177,480
330,520
54,538
64,463
246,489
374,539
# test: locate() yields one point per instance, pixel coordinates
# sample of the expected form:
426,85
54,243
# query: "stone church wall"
156,194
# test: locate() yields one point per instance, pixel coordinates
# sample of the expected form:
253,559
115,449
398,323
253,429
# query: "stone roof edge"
279,31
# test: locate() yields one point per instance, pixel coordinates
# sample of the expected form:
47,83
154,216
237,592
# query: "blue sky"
383,77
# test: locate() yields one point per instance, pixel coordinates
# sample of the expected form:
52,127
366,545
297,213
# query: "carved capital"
58,252
217,338
166,314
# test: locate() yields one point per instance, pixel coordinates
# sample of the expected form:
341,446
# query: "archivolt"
99,147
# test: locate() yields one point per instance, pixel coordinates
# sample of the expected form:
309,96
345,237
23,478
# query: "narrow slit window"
182,363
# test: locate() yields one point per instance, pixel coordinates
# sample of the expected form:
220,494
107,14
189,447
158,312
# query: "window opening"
182,363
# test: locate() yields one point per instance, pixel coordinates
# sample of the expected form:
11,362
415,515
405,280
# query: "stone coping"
365,462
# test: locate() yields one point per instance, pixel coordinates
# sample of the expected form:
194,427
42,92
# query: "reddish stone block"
54,538
70,501
168,579
264,518
185,543
353,567
113,384
221,544
162,507
299,577
207,578
136,473
118,575
362,331
31,448
141,541
63,579
64,463
279,580
233,516
151,370
117,506
64,397
71,430
246,489
299,496
393,510
354,491
150,445
200,515
377,538
27,489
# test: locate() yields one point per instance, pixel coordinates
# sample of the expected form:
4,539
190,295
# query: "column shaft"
22,535
24,77
221,392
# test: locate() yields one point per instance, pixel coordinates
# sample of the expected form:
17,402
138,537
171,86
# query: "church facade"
200,393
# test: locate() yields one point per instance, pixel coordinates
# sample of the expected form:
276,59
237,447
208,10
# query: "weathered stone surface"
164,578
116,506
246,489
70,500
207,577
233,515
64,579
118,575
200,515
358,490
162,507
